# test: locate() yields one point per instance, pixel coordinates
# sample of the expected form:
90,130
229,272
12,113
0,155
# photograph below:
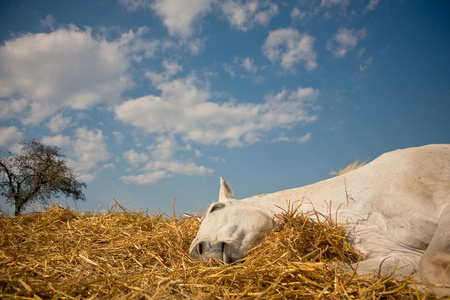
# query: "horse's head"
229,228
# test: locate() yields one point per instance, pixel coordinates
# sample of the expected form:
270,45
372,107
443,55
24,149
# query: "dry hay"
121,254
351,167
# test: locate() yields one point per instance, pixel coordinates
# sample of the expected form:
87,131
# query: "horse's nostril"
225,257
200,248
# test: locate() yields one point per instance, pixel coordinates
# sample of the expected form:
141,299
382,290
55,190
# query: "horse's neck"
324,197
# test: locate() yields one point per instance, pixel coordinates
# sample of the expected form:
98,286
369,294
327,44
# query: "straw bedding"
120,254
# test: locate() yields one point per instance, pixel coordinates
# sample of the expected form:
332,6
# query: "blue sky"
152,100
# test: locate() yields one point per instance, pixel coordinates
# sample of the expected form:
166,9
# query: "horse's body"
396,208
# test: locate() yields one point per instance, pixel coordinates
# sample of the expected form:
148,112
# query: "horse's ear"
225,192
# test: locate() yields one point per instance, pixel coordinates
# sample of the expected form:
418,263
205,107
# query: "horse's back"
414,177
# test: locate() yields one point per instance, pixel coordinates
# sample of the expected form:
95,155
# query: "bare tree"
38,174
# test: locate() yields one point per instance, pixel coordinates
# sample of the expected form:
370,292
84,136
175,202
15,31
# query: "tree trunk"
18,207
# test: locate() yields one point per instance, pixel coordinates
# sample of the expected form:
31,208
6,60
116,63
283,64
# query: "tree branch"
9,175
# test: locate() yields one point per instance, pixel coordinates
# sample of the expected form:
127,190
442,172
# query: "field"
120,254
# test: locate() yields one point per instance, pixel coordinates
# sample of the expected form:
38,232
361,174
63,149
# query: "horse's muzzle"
204,250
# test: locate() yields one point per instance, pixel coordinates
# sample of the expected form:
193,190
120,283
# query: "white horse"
396,209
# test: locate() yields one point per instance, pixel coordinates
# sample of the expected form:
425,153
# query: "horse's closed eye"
216,207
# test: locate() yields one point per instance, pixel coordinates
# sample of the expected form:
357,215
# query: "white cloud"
86,151
58,123
217,159
300,140
244,16
345,40
133,5
177,167
297,14
90,148
42,73
163,158
118,136
229,69
198,153
160,162
366,64
135,158
289,47
48,21
10,138
146,178
171,69
246,68
304,138
264,17
164,149
249,65
12,107
195,46
179,16
60,141
185,110
136,46
329,3
372,4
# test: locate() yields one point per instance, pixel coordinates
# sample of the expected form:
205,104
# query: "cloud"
372,4
297,14
304,138
185,110
178,167
86,151
244,16
198,153
329,3
60,141
10,138
134,5
366,64
146,178
179,16
289,47
229,69
300,140
67,68
135,158
118,136
58,123
246,68
48,21
159,162
136,47
249,65
345,40
171,68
